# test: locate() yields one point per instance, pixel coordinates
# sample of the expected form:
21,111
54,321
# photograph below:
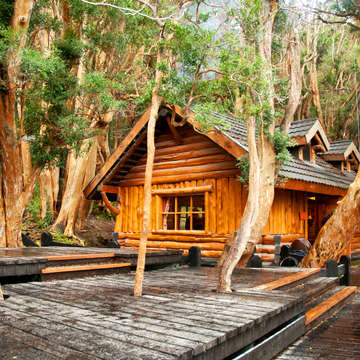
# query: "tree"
35,88
266,147
336,235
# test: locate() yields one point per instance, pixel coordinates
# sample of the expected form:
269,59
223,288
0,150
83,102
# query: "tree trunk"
2,219
262,167
12,201
76,178
336,235
146,221
146,225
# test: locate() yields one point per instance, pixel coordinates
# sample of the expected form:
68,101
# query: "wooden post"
277,243
332,268
195,256
1,294
345,280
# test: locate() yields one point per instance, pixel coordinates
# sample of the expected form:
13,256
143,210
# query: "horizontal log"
166,141
285,238
180,191
176,238
194,145
265,249
355,245
266,257
187,177
355,240
224,165
207,253
171,164
173,156
176,245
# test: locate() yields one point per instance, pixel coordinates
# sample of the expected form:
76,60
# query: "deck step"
62,269
80,256
315,290
287,280
329,306
82,271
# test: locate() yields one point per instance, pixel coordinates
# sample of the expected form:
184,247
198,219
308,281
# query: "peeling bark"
336,235
262,169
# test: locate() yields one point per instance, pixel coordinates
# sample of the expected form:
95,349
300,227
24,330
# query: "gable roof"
232,137
341,150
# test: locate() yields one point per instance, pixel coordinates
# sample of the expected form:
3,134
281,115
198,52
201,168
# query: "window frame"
160,194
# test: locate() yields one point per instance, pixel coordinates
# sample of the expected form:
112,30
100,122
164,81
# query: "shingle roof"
338,147
301,127
321,173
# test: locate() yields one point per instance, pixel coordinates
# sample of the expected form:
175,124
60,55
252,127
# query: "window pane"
168,222
198,221
198,203
183,222
183,203
169,204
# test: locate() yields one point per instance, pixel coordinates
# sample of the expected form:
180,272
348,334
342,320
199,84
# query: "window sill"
182,232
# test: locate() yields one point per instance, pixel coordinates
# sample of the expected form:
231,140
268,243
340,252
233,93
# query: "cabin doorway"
319,207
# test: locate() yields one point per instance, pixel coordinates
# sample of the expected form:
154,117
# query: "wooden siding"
197,157
285,213
226,203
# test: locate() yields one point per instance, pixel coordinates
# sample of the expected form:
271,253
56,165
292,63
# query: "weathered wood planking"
338,338
99,319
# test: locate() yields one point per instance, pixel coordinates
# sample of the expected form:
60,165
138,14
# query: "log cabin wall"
194,162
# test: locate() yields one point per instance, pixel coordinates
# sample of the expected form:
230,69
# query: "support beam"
173,130
108,203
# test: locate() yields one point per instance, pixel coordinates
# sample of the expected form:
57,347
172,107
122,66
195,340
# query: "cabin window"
183,213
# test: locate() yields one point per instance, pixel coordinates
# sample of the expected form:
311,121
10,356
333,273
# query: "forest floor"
96,233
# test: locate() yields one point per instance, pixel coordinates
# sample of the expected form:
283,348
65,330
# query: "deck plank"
179,317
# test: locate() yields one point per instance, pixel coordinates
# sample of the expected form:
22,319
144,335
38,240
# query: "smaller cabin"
197,198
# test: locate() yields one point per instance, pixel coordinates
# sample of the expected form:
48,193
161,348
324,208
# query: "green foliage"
281,144
6,11
48,121
33,210
70,49
243,164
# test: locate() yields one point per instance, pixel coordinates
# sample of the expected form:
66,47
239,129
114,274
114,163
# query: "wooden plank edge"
319,310
81,256
61,269
303,274
1,294
277,342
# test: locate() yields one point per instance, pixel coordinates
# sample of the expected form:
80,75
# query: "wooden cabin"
197,199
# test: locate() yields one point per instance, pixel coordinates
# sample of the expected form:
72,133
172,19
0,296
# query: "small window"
184,213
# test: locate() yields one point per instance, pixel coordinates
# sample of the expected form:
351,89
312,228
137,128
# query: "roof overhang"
352,150
317,128
234,148
298,185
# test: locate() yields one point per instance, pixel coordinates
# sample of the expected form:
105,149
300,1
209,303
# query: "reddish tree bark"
336,235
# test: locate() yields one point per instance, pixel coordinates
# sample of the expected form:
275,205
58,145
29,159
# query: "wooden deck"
38,261
179,317
337,338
